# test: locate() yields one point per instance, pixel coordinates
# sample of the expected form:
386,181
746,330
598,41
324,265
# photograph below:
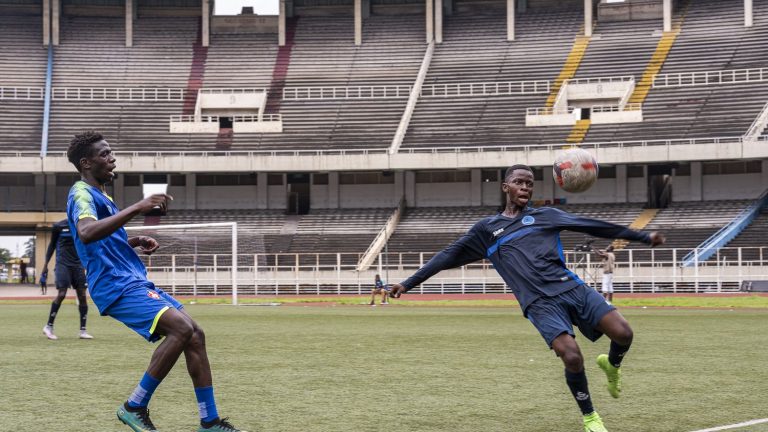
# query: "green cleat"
138,420
593,423
612,373
218,425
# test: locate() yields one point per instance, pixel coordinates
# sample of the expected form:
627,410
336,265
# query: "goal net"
193,259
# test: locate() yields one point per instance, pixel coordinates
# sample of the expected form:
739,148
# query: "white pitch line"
734,426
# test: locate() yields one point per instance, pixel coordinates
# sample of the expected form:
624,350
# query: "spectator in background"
69,272
44,284
23,271
379,288
609,263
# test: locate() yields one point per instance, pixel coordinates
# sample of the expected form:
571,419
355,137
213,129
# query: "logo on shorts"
152,294
528,220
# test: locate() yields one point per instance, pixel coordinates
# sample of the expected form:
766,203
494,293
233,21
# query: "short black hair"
80,146
512,169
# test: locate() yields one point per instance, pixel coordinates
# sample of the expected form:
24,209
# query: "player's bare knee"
198,337
184,330
625,335
573,360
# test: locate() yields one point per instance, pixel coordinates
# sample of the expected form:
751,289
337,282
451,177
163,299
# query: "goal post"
193,259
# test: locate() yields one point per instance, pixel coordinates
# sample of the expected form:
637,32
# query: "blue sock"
143,392
206,404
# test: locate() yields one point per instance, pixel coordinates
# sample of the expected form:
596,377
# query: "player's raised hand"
657,239
154,201
396,291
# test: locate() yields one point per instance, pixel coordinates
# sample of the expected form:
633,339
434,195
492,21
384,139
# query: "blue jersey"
380,284
525,250
111,263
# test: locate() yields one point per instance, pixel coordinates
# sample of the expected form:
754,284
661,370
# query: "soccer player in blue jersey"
69,273
117,282
523,243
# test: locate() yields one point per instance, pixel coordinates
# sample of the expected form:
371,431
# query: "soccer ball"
575,170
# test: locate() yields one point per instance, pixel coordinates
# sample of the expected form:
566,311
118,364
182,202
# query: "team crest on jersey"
153,294
528,220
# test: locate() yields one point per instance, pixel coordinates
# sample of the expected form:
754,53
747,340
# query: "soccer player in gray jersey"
523,243
69,273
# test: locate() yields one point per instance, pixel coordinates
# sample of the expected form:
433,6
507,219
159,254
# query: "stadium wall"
33,193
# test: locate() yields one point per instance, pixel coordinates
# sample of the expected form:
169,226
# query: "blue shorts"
140,307
582,306
70,277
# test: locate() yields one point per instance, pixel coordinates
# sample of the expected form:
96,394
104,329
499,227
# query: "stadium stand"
23,61
752,238
687,224
23,58
619,49
240,61
713,37
324,55
160,57
492,120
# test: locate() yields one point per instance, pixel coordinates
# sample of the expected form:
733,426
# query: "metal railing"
637,270
192,119
599,80
119,94
660,143
256,118
547,111
354,92
232,90
616,108
502,88
704,78
22,93
588,145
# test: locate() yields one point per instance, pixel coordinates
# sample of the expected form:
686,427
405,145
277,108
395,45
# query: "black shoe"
218,425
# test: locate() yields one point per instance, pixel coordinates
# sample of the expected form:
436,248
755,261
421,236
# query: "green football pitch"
356,368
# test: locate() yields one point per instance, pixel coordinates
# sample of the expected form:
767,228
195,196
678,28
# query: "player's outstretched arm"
90,230
467,249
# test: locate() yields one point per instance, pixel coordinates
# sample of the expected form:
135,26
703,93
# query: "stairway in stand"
280,70
643,219
196,73
224,139
659,57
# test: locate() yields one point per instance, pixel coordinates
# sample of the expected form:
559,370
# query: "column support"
588,18
358,22
667,15
511,20
281,24
206,30
429,15
46,22
55,21
129,23
749,20
438,21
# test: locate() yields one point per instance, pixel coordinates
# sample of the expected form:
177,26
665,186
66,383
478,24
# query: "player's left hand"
148,245
396,291
657,239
